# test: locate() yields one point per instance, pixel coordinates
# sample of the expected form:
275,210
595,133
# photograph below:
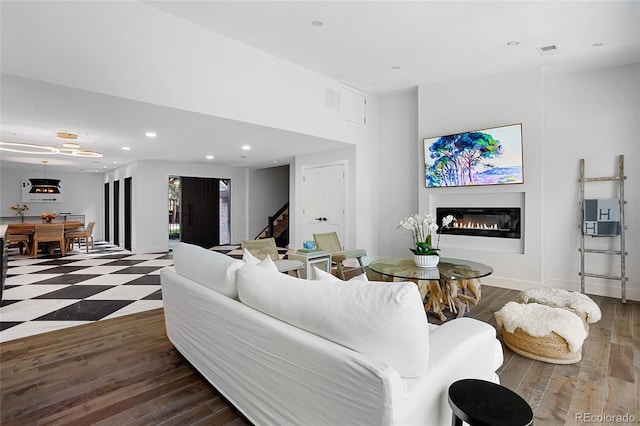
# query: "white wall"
268,192
363,194
477,103
168,61
593,115
82,194
150,195
397,180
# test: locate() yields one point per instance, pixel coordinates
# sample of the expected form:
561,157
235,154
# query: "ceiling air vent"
552,49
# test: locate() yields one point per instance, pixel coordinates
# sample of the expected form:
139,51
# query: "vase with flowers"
425,253
20,209
47,217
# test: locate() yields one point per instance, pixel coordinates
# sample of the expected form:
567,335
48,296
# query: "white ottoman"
578,303
541,332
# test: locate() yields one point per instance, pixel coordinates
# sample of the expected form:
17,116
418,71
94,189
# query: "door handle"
321,219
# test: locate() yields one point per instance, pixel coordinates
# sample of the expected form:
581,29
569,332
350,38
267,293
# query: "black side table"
483,403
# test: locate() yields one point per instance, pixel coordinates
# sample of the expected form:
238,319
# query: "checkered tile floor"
53,292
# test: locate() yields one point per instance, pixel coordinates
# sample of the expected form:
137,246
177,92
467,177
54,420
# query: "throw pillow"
209,268
383,320
321,275
267,262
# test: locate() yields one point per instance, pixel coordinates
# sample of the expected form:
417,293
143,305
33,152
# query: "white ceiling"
358,43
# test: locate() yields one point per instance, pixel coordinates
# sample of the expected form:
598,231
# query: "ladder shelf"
619,179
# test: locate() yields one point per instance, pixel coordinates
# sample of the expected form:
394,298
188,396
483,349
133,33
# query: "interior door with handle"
323,206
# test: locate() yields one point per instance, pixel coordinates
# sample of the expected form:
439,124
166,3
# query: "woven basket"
550,348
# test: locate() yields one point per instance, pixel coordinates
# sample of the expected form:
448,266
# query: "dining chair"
330,243
263,247
86,234
17,235
48,233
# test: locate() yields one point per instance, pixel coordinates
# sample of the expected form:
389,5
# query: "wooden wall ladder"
619,179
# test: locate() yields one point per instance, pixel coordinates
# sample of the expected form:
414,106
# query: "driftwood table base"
454,295
452,285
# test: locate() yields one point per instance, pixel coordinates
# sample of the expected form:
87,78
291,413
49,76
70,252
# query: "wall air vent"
552,49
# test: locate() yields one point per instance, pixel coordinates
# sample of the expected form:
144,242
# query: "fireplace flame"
476,225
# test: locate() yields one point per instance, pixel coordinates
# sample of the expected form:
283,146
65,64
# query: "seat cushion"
540,320
338,256
288,265
383,320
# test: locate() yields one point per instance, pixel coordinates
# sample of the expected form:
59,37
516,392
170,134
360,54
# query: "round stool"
483,403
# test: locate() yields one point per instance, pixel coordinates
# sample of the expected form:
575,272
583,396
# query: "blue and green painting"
482,157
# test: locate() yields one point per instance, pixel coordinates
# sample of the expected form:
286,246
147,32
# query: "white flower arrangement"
421,227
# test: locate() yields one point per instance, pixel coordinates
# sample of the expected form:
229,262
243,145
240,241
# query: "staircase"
278,227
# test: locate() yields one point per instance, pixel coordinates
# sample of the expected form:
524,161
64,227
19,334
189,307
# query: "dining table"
28,228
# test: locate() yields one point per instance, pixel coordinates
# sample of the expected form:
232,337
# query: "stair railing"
271,223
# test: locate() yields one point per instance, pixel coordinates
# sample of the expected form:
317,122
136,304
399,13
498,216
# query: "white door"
323,205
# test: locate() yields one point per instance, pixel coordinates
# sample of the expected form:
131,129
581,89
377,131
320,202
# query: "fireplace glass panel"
498,222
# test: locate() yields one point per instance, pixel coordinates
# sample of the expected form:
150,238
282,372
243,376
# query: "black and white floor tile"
54,292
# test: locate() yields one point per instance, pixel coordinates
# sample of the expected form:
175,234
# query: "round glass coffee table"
452,284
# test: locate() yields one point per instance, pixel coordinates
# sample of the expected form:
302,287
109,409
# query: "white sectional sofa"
288,351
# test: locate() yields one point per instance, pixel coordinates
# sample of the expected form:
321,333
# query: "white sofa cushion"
214,270
320,275
250,259
383,320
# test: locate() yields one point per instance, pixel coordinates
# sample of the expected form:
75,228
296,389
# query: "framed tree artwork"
490,156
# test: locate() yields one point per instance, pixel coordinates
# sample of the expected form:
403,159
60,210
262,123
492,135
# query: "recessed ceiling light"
513,43
150,134
209,157
317,23
115,162
246,147
126,148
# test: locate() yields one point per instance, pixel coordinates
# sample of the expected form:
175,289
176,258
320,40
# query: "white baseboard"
598,289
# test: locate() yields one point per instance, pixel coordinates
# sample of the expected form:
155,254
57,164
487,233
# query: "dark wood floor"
124,371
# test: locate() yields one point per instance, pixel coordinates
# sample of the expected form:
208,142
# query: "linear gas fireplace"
499,222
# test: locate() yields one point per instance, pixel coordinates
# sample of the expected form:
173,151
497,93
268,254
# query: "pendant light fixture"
45,186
